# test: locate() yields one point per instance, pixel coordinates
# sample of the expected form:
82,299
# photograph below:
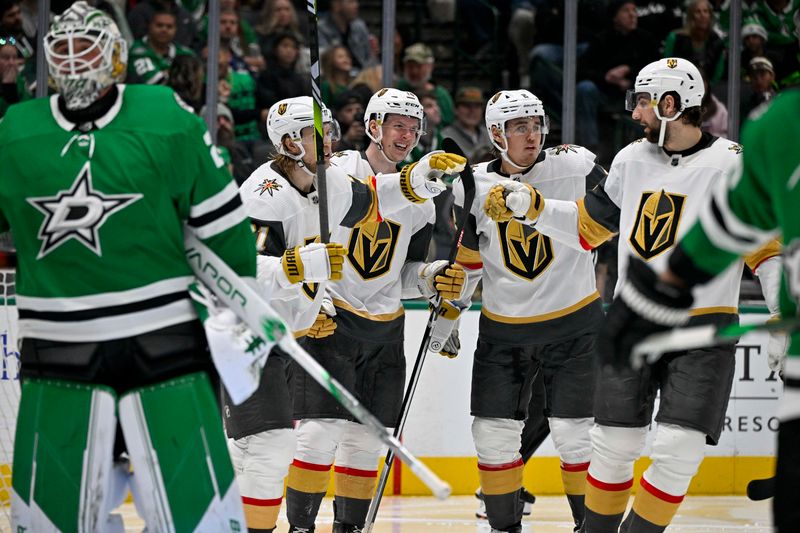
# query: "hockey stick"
651,348
761,489
316,96
251,307
448,145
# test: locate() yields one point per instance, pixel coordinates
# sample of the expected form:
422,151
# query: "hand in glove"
776,348
313,262
510,199
423,179
444,334
645,305
324,325
442,278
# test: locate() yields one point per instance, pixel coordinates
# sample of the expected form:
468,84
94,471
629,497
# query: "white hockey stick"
251,307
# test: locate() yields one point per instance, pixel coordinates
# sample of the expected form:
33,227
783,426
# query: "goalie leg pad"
355,473
63,471
183,478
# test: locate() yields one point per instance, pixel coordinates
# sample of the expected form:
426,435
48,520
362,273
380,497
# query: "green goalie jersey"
98,212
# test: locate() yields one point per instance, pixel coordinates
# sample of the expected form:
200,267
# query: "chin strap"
663,133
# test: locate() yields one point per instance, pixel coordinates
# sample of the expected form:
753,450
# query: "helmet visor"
640,100
527,126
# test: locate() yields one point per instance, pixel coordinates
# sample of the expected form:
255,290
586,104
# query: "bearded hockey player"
655,189
385,261
98,183
540,311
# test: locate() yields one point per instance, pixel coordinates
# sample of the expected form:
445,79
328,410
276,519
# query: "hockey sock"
305,489
261,515
605,504
353,494
574,477
501,485
653,508
786,507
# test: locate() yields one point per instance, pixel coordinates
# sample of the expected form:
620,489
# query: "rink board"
438,428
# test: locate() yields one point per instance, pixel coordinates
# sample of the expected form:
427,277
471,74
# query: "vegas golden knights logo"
672,63
282,108
371,248
657,221
526,252
310,289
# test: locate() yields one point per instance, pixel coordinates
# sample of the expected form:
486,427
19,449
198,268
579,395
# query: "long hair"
267,24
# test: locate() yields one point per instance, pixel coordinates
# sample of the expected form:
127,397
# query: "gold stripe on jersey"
405,185
541,318
468,257
656,225
589,229
700,311
301,333
385,317
373,214
771,249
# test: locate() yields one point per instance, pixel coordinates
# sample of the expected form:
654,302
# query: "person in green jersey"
152,55
98,183
757,203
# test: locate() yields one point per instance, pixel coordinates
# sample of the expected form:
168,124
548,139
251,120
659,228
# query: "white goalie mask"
508,105
85,54
288,117
666,75
393,101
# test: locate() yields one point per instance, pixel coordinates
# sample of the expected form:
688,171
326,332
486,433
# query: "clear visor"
76,53
640,100
416,131
532,126
330,130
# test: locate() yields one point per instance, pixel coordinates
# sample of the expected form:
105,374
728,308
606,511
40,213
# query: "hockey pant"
64,477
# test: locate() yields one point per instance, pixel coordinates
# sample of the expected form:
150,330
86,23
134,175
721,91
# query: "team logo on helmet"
526,252
282,108
657,222
672,62
371,248
382,92
496,97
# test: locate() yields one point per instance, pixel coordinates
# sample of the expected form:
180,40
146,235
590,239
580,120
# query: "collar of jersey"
284,176
100,122
494,166
706,140
171,48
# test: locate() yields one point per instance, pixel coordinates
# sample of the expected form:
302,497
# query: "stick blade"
761,489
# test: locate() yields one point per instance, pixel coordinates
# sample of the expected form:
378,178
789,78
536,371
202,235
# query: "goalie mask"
508,105
85,54
393,101
288,117
661,77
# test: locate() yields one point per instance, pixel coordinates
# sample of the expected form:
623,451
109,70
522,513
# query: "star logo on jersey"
268,185
736,148
371,248
526,252
564,148
77,213
656,223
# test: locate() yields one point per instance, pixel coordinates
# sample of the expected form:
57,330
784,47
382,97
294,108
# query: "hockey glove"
444,334
645,305
776,348
511,198
313,262
425,176
442,278
324,325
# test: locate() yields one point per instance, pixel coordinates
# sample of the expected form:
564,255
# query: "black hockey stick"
761,489
468,180
316,96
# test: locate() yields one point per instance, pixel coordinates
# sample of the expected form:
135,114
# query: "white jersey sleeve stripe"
221,224
214,202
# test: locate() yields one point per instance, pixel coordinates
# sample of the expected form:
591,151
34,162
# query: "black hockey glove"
644,306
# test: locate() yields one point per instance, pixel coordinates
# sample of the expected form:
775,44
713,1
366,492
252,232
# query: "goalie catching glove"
443,279
444,333
324,325
423,179
645,305
509,199
313,262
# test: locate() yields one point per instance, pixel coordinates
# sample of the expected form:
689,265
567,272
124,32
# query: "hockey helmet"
85,53
394,101
508,105
671,74
289,116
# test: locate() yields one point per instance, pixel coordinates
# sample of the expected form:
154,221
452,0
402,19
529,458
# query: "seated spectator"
235,154
277,17
245,53
280,79
608,67
762,85
418,64
659,17
715,115
787,68
139,20
698,42
336,73
11,26
777,17
187,78
348,110
468,129
369,80
432,138
342,25
12,88
151,56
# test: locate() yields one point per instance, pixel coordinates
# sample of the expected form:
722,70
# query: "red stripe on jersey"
496,468
574,467
610,487
658,493
584,244
355,471
311,466
258,502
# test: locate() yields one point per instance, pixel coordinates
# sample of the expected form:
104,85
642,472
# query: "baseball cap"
418,53
754,28
469,95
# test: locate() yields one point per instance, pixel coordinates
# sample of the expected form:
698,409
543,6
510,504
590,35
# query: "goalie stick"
467,178
251,307
761,489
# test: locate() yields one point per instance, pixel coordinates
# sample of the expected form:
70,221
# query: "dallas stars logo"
77,213
562,148
268,185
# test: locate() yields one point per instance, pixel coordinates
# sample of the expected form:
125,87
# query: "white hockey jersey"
535,289
380,254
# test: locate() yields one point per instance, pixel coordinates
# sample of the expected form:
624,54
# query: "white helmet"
395,101
670,74
508,105
85,53
288,117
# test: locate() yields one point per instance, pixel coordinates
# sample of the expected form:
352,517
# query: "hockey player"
655,189
540,310
385,262
740,214
98,183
